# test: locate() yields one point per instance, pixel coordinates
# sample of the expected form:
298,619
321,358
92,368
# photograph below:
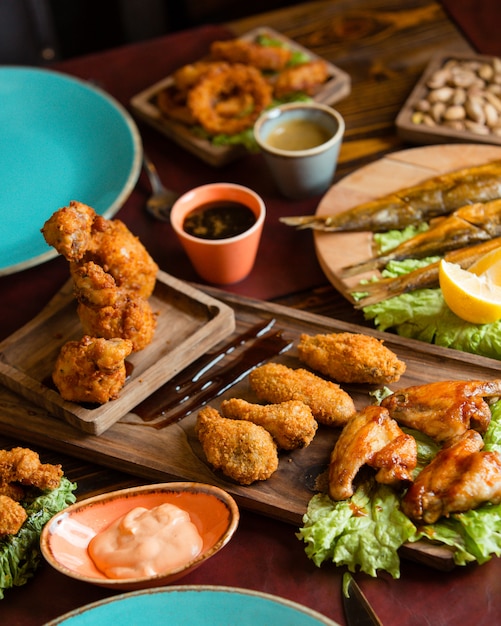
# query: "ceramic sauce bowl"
65,538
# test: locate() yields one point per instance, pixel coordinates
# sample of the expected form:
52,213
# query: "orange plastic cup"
220,261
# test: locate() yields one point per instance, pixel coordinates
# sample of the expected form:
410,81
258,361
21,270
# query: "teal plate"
194,605
61,139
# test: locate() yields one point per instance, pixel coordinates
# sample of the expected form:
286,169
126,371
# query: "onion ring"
239,81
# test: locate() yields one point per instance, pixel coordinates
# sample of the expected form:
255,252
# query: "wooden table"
384,47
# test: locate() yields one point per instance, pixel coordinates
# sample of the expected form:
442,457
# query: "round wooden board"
393,172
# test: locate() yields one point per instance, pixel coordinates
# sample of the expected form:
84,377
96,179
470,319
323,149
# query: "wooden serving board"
172,452
189,322
144,105
393,172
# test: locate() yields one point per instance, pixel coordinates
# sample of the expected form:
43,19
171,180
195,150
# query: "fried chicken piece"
351,358
80,234
121,254
275,383
22,465
291,424
445,409
242,450
69,230
92,369
12,490
371,438
12,516
306,78
107,311
273,58
459,478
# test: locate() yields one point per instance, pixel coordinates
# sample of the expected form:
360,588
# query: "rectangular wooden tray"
159,453
189,323
144,105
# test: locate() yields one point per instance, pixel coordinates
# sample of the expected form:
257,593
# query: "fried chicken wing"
22,465
306,77
92,369
460,477
275,383
371,438
272,58
444,409
69,230
121,254
242,450
80,234
291,424
12,516
351,358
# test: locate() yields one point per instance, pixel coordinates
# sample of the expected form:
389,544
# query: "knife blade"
357,610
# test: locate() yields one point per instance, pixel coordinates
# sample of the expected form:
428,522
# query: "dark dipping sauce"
219,220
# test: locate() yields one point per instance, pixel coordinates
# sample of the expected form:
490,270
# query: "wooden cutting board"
143,444
394,171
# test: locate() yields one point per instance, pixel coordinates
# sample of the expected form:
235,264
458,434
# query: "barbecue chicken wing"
444,409
242,450
291,424
274,382
459,478
371,438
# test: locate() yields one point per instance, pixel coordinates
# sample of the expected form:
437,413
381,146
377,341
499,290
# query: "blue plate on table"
194,605
61,139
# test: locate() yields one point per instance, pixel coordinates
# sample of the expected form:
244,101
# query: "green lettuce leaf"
367,530
20,554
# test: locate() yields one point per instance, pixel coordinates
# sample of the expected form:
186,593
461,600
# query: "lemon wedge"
490,265
474,298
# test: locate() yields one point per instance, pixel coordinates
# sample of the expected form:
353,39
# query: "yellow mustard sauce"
297,134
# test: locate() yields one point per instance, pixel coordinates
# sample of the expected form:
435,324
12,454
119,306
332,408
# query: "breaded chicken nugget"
243,451
22,465
69,230
291,424
351,358
92,369
12,516
329,404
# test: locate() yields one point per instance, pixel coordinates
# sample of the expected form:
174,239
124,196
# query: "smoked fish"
436,196
423,277
468,225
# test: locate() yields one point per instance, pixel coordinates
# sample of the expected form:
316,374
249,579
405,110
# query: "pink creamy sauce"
146,542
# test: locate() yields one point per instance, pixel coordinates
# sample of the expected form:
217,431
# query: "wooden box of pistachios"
458,99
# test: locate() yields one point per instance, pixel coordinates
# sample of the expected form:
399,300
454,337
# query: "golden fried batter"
69,230
242,450
306,78
459,478
107,311
12,516
351,358
371,438
291,424
445,409
275,383
272,58
80,235
22,465
92,369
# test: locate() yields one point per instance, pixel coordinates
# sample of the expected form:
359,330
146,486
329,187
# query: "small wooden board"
189,323
173,452
144,105
394,171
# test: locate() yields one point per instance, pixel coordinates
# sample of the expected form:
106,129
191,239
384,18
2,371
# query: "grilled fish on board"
468,225
436,196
